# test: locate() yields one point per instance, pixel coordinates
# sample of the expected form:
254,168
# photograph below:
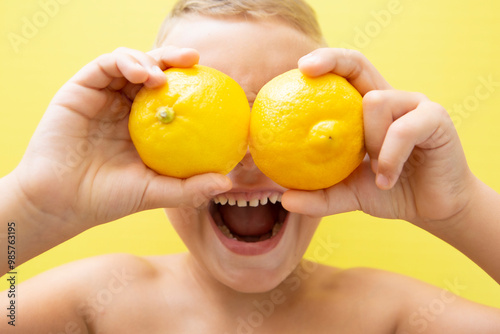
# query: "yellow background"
441,48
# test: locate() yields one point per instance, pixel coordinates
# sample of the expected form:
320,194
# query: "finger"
320,203
131,90
166,192
171,56
380,110
349,64
418,128
152,74
135,66
165,57
118,84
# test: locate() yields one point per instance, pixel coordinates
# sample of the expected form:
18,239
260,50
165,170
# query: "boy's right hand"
81,167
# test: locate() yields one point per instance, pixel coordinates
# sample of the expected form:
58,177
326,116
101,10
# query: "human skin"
252,60
210,289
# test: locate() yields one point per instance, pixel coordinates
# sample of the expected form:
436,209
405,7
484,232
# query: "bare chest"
263,317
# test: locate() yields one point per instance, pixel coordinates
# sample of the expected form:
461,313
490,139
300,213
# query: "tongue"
249,221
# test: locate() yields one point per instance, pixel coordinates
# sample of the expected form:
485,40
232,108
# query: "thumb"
320,203
168,192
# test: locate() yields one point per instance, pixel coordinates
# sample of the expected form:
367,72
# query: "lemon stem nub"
165,114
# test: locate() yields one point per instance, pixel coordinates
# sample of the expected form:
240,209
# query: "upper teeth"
243,199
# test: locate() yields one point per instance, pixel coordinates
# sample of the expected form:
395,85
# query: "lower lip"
249,248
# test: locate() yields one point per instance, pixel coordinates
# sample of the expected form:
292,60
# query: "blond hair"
297,13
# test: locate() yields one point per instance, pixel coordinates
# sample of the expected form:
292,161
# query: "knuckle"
354,54
104,58
148,58
421,97
357,58
386,165
436,107
373,99
400,130
437,110
354,60
121,49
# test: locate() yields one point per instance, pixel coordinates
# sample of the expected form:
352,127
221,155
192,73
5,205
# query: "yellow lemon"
196,123
307,133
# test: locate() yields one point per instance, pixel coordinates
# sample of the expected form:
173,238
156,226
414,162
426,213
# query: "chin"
245,239
252,281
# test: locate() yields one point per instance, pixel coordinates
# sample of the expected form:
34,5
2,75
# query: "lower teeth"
276,229
225,230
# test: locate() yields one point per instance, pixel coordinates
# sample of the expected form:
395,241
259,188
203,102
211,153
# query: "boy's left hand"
415,169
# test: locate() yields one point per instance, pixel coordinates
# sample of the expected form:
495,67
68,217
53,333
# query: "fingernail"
156,70
139,67
311,57
220,185
383,181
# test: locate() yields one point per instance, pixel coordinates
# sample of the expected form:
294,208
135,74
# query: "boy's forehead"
253,50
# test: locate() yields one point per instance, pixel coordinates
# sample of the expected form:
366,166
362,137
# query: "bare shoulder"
357,300
72,294
360,280
77,280
393,303
94,272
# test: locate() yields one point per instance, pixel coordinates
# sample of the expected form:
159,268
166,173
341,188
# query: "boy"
223,285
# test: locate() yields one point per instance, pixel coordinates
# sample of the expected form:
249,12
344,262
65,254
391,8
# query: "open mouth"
249,217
